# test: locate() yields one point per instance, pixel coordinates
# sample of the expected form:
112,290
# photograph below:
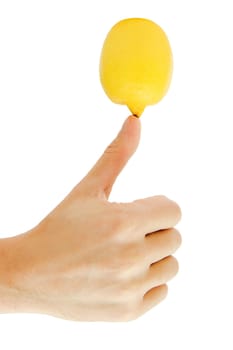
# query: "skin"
90,259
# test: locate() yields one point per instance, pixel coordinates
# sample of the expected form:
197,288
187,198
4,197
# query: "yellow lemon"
136,64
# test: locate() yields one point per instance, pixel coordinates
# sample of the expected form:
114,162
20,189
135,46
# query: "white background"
55,121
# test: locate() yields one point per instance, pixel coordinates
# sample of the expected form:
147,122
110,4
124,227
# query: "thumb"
104,173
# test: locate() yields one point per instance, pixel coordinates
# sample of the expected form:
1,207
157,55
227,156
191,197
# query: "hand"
93,260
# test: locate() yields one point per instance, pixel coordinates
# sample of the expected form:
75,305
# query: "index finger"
152,214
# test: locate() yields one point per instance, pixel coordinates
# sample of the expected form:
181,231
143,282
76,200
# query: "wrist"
5,264
7,293
15,262
12,298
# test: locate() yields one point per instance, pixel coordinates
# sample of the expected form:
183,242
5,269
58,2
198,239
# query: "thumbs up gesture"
93,260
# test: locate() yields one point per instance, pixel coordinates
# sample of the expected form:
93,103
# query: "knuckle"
135,253
177,211
174,207
118,223
130,312
117,149
164,293
131,259
177,238
127,293
162,198
165,201
174,264
123,265
112,147
121,273
131,317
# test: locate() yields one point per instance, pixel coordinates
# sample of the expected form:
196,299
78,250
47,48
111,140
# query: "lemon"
136,64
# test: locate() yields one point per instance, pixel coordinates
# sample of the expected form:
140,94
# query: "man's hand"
93,260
